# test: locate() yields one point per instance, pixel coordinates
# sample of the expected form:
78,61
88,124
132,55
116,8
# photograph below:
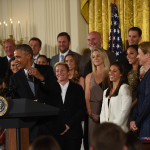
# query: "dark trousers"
68,142
85,133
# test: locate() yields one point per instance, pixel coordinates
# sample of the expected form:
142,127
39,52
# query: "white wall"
45,19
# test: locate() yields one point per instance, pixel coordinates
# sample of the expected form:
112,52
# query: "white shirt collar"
26,71
64,90
35,58
8,58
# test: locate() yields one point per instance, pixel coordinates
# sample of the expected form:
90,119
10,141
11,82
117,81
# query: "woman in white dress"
117,98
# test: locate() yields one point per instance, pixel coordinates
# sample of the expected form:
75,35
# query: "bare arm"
87,93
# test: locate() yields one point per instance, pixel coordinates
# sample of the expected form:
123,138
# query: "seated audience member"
74,75
133,74
96,82
71,102
117,98
33,82
64,42
140,118
42,60
9,47
45,143
108,136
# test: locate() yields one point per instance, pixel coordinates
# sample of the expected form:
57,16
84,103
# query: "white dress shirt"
35,58
64,90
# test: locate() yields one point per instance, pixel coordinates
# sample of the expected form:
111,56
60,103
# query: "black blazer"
71,111
42,89
3,66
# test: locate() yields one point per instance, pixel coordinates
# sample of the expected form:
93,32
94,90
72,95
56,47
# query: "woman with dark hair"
42,60
117,98
74,75
12,68
133,74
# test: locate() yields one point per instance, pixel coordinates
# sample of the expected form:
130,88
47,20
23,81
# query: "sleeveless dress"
96,96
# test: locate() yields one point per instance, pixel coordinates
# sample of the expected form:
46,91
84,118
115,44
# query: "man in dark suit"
64,42
9,47
67,129
32,81
94,41
36,44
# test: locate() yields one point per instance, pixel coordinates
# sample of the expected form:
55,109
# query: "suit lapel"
25,82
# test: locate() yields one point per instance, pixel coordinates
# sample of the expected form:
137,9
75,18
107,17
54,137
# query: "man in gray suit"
94,41
64,42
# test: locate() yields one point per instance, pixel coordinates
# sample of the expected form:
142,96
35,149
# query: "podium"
23,113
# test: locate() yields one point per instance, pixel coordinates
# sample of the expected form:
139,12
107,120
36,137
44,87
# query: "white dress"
118,109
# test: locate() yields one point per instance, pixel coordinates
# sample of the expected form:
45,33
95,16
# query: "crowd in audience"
111,97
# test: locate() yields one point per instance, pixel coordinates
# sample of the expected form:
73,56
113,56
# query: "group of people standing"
93,88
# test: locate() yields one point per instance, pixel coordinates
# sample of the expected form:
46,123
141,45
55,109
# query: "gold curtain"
97,13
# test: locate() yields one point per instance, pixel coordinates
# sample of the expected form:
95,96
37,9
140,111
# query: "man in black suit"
9,47
64,42
32,81
67,129
36,44
94,41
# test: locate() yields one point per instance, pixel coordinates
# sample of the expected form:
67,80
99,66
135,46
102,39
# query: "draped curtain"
97,14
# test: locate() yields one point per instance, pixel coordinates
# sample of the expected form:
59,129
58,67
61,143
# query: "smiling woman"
133,74
117,98
95,83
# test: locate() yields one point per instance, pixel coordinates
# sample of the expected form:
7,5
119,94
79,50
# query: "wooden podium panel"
12,139
145,145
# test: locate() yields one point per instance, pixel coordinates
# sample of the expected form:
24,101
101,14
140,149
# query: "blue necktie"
61,58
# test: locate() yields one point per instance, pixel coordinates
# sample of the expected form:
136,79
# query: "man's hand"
34,72
67,128
133,126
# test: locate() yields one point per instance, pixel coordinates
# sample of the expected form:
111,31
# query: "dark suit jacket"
141,112
22,88
3,66
55,58
85,65
71,111
43,92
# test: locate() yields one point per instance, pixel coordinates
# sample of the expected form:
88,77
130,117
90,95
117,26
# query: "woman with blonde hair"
95,83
